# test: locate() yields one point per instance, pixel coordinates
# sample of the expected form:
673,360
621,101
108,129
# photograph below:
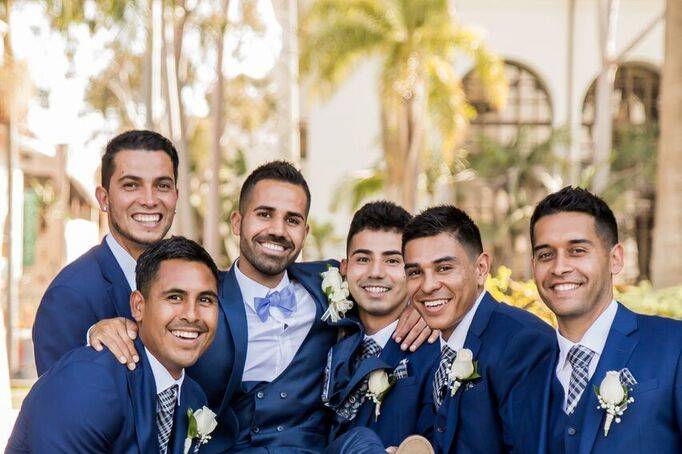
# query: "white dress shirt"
459,335
594,339
272,344
162,377
382,336
124,260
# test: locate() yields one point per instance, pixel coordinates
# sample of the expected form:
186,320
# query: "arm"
61,322
78,409
412,330
117,334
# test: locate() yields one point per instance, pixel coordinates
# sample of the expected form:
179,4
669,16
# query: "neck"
375,323
135,250
173,369
574,328
267,280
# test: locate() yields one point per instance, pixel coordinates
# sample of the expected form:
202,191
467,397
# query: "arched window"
529,106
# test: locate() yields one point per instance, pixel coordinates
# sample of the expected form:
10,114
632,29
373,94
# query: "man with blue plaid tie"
87,403
575,256
374,271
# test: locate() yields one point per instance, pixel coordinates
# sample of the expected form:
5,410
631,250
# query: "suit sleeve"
61,323
79,409
677,393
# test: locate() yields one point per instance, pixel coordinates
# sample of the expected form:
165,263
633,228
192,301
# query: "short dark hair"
378,216
136,140
274,170
445,219
578,200
175,247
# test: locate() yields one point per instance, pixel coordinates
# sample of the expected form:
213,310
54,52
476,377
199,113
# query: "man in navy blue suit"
488,348
375,273
88,403
139,193
575,256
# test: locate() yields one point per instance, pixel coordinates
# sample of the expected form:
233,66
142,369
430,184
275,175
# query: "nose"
429,283
561,265
148,197
190,312
377,269
277,227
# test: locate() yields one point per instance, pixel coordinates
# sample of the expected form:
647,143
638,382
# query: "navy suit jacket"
651,349
89,402
219,371
507,344
90,289
402,406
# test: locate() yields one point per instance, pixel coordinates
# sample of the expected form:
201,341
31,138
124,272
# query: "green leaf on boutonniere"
475,375
192,431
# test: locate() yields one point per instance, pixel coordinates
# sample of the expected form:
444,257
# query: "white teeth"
147,217
376,289
435,303
273,246
565,287
185,334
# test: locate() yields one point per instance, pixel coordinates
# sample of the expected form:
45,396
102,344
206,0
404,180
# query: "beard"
265,264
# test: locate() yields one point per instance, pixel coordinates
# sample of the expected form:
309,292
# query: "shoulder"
79,274
518,320
662,331
102,363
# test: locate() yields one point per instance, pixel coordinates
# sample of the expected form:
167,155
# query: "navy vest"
564,433
289,411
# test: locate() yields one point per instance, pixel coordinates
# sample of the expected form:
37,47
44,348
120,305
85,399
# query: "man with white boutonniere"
88,403
369,381
614,383
487,348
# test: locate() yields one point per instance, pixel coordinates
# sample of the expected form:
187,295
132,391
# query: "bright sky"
67,118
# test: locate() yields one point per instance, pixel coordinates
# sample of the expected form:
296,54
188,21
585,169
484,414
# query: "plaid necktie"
440,380
579,356
165,409
349,408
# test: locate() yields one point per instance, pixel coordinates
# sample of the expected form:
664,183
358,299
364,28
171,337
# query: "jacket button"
256,429
259,394
283,395
280,428
440,429
572,431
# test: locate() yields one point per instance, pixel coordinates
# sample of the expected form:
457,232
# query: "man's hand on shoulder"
412,330
117,334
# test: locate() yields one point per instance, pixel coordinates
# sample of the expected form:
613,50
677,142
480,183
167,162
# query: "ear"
137,305
343,267
235,222
482,268
102,196
616,259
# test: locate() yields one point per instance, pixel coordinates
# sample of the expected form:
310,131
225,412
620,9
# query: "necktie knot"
284,299
580,356
369,348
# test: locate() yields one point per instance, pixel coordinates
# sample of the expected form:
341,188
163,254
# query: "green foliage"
357,188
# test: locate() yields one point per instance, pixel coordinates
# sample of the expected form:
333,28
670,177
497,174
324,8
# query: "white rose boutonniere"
463,369
378,385
613,397
201,423
337,293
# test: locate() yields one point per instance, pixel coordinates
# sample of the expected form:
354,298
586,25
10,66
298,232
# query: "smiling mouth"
435,304
186,335
565,287
376,289
276,248
147,219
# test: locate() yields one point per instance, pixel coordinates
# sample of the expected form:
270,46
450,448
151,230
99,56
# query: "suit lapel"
142,390
181,421
620,344
119,290
340,373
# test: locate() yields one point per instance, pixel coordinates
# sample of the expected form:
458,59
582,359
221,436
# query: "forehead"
184,275
142,163
425,250
564,227
376,241
278,195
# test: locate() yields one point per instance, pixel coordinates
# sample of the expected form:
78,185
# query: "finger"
420,339
417,328
404,324
435,335
391,449
95,342
129,346
131,328
116,347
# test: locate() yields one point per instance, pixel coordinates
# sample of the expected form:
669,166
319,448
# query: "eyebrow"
269,208
174,290
209,293
447,258
368,252
571,242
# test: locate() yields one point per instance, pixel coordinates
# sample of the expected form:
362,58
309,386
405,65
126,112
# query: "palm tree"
422,100
667,259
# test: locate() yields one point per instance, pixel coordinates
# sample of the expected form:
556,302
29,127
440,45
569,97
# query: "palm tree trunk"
415,120
212,241
667,258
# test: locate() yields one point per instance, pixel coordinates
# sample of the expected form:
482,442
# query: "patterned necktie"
349,408
579,357
285,299
165,409
440,380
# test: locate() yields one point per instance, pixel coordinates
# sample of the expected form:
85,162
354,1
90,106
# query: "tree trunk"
667,259
212,241
152,70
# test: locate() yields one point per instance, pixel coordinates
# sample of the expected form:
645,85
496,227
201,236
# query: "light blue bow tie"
285,299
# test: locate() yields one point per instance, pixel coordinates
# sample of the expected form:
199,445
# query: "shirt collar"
459,335
382,336
251,289
162,377
595,336
124,260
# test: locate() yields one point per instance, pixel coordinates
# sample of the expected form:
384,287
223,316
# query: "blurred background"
488,104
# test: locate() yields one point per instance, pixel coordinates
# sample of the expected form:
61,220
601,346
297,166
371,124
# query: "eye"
578,251
206,300
362,259
412,272
263,214
543,256
164,186
130,185
174,297
443,268
293,221
393,261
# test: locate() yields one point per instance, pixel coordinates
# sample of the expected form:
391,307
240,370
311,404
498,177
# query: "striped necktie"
165,410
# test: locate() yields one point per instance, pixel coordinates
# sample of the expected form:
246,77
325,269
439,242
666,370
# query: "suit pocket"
643,387
404,382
